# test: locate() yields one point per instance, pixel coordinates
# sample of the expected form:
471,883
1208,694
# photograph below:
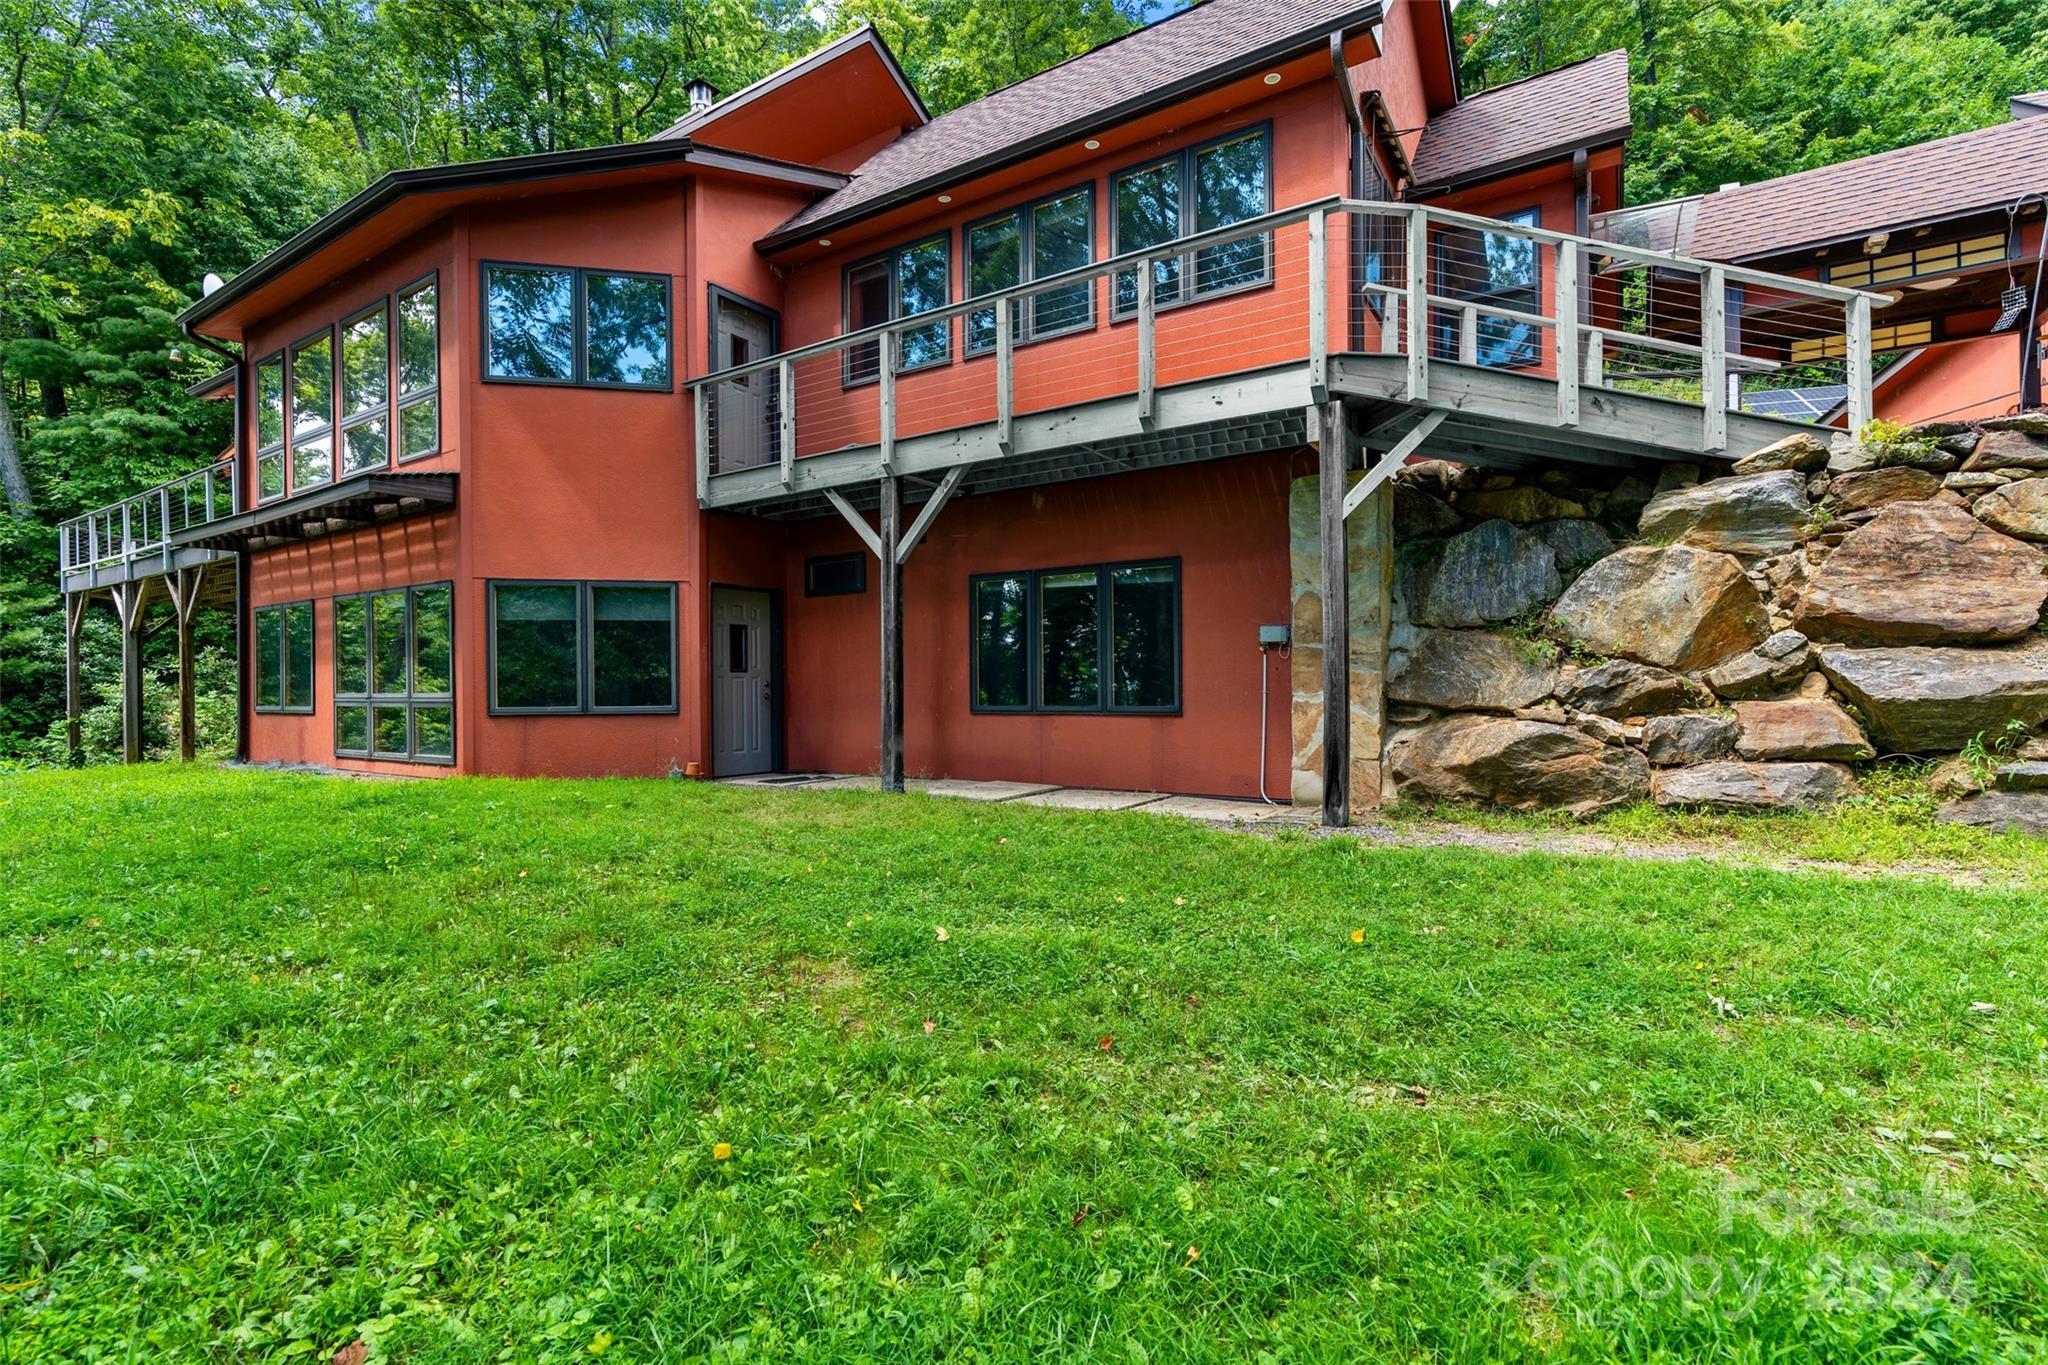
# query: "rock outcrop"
2018,509
1804,729
1921,700
1756,514
1922,573
1494,572
1467,670
1732,786
1521,764
1622,687
1673,606
1676,741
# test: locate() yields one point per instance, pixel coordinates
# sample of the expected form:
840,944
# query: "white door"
742,711
744,432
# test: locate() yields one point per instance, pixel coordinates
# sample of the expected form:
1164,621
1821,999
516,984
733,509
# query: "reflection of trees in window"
313,412
1196,190
632,631
284,657
1001,644
532,323
365,391
419,372
995,262
394,676
1096,639
1488,267
546,638
534,665
899,284
270,427
627,317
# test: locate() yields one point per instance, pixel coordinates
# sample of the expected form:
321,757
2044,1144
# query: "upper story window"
567,325
1490,268
1917,262
1211,185
897,284
338,384
313,411
1032,242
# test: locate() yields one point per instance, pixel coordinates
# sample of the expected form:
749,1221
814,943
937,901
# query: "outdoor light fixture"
945,199
1092,143
1874,243
824,241
1272,78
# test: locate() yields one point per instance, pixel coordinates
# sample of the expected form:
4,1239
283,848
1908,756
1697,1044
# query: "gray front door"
744,416
742,709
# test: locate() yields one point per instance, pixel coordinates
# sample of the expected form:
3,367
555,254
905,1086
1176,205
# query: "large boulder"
2000,812
1521,504
1757,514
1674,741
1873,488
1925,572
1928,701
2035,422
1491,573
1734,786
1466,670
1801,450
1671,605
1419,514
2016,509
1522,764
1799,729
1577,543
1759,672
1622,687
2008,448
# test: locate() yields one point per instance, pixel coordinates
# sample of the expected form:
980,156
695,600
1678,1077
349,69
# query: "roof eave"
866,34
1294,45
1479,175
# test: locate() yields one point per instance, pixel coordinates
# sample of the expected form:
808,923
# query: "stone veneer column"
1371,533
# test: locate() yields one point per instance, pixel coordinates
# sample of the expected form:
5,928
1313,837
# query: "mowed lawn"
487,1070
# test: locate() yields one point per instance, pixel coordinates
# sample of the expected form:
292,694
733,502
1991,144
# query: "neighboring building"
565,464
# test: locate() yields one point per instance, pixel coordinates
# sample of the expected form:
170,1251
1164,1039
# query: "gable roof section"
1150,66
1526,123
862,39
1929,181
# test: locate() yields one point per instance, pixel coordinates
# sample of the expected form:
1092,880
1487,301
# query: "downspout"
242,572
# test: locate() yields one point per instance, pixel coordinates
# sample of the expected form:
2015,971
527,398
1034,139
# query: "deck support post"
74,700
1714,359
185,586
1567,338
1857,341
1318,309
1333,469
1418,305
130,601
892,635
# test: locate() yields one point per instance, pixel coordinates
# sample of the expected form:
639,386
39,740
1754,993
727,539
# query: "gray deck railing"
1327,276
141,527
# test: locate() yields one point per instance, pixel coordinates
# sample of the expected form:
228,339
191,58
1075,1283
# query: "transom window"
1917,262
1032,242
394,674
564,648
1105,638
1497,268
326,406
548,324
284,657
1199,188
899,284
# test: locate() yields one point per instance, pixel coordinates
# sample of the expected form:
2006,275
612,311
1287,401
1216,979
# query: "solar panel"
1801,405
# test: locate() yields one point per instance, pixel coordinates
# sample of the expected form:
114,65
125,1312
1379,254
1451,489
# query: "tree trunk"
20,500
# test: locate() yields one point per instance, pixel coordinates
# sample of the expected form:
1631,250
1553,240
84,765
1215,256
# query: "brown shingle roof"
1088,90
1526,122
1966,173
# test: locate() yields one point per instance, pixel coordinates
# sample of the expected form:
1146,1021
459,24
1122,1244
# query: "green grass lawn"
483,1070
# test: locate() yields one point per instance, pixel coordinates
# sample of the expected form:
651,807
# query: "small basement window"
836,575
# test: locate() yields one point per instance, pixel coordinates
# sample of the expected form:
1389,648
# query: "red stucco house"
820,433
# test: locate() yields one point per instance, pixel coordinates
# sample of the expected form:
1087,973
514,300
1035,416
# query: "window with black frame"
899,284
1093,639
1033,242
312,379
574,648
284,657
394,674
365,391
270,428
419,370
568,325
1489,268
1200,188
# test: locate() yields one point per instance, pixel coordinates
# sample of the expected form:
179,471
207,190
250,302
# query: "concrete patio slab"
1215,808
1090,798
986,791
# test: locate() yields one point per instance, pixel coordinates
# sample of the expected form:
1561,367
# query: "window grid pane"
270,657
419,428
351,647
1069,641
921,285
632,630
365,365
626,326
1144,630
537,646
419,341
532,323
1230,187
1062,233
1147,214
995,262
394,682
1002,644
270,403
298,650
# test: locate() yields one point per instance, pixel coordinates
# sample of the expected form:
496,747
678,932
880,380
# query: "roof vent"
211,283
703,94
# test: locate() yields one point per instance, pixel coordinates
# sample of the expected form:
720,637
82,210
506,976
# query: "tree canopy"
146,142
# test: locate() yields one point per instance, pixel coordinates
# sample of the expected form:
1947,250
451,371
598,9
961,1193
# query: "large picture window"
899,284
1105,638
1030,243
566,325
1212,185
284,657
565,648
394,674
1496,268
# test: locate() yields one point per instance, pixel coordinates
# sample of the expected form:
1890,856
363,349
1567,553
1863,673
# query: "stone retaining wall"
1739,642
